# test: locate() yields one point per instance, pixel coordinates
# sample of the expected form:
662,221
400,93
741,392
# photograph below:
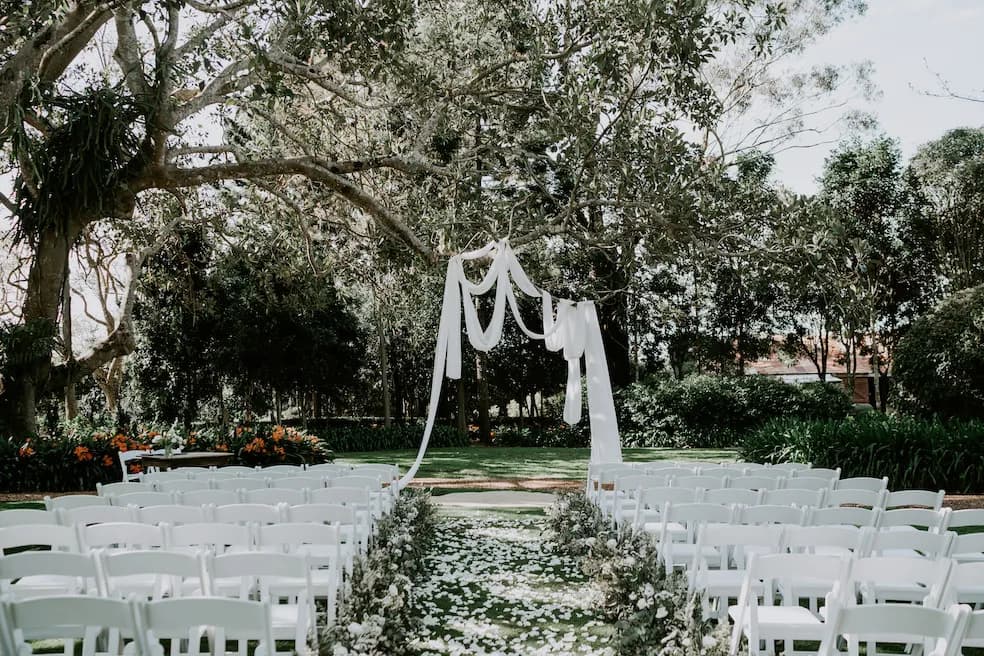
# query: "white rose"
661,612
611,544
355,628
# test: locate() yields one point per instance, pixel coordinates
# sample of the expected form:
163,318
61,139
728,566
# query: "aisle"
495,589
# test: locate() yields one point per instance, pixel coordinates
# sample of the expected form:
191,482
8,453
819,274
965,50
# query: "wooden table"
193,459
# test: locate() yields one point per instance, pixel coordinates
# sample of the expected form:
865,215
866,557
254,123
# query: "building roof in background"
776,365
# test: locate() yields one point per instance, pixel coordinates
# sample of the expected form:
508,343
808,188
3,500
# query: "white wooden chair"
53,536
273,576
757,483
142,499
74,501
249,513
811,483
32,574
352,533
820,472
173,514
842,515
320,544
677,548
764,514
650,505
24,516
65,618
275,495
911,498
729,496
152,575
914,518
300,483
125,458
242,483
855,497
882,579
627,492
95,515
187,618
208,497
219,538
114,489
793,497
699,482
766,622
862,483
121,536
968,548
912,544
790,467
182,485
936,632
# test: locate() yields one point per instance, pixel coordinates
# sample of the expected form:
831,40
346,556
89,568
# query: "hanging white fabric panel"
571,328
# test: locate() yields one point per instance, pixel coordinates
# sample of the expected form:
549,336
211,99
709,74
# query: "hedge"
913,453
717,411
380,438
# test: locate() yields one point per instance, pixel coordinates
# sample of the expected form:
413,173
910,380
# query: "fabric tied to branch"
571,328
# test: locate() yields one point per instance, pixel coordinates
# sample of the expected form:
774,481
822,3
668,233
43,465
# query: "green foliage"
939,364
24,345
913,453
76,168
541,434
376,616
653,611
380,438
716,411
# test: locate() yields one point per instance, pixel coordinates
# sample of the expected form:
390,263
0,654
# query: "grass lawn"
473,463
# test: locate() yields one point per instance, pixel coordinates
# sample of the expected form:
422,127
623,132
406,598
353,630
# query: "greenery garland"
376,617
653,612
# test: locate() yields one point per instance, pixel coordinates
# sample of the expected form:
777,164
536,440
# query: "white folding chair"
227,619
273,577
882,579
352,533
389,474
382,500
23,516
831,540
152,574
844,515
173,514
30,574
914,518
208,497
934,631
732,541
196,472
327,469
862,483
973,631
793,497
74,501
95,515
155,477
219,538
819,472
855,497
626,494
811,483
911,544
729,495
320,544
65,618
764,514
114,489
649,507
677,548
300,483
702,482
238,470
246,513
275,495
290,470
125,458
121,536
355,498
914,498
671,470
53,536
968,548
601,479
790,467
770,472
757,483
143,499
182,485
241,483
723,471
788,622
971,518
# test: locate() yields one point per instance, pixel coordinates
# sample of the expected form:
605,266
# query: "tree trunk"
42,301
71,400
383,368
875,365
484,423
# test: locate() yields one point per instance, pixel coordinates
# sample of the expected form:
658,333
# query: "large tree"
104,103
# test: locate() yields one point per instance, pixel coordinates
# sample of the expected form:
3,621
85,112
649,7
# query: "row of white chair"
378,501
933,628
384,471
647,508
251,609
355,521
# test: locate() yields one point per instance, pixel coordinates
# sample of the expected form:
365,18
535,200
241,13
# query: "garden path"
495,587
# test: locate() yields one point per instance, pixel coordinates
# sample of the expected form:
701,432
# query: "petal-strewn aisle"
495,588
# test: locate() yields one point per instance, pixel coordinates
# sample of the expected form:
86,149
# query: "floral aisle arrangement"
653,612
376,618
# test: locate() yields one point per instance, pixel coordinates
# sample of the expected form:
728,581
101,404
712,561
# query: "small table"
193,459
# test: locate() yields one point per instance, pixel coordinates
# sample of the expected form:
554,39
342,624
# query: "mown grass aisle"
495,588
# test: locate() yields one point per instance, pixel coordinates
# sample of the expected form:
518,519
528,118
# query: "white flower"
708,641
661,612
611,544
355,628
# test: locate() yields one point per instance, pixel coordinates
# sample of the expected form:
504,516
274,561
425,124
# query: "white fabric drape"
571,328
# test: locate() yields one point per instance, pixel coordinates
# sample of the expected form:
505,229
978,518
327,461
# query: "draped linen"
571,328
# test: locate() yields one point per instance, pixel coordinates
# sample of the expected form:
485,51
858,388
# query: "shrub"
381,438
913,453
716,411
939,364
542,434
